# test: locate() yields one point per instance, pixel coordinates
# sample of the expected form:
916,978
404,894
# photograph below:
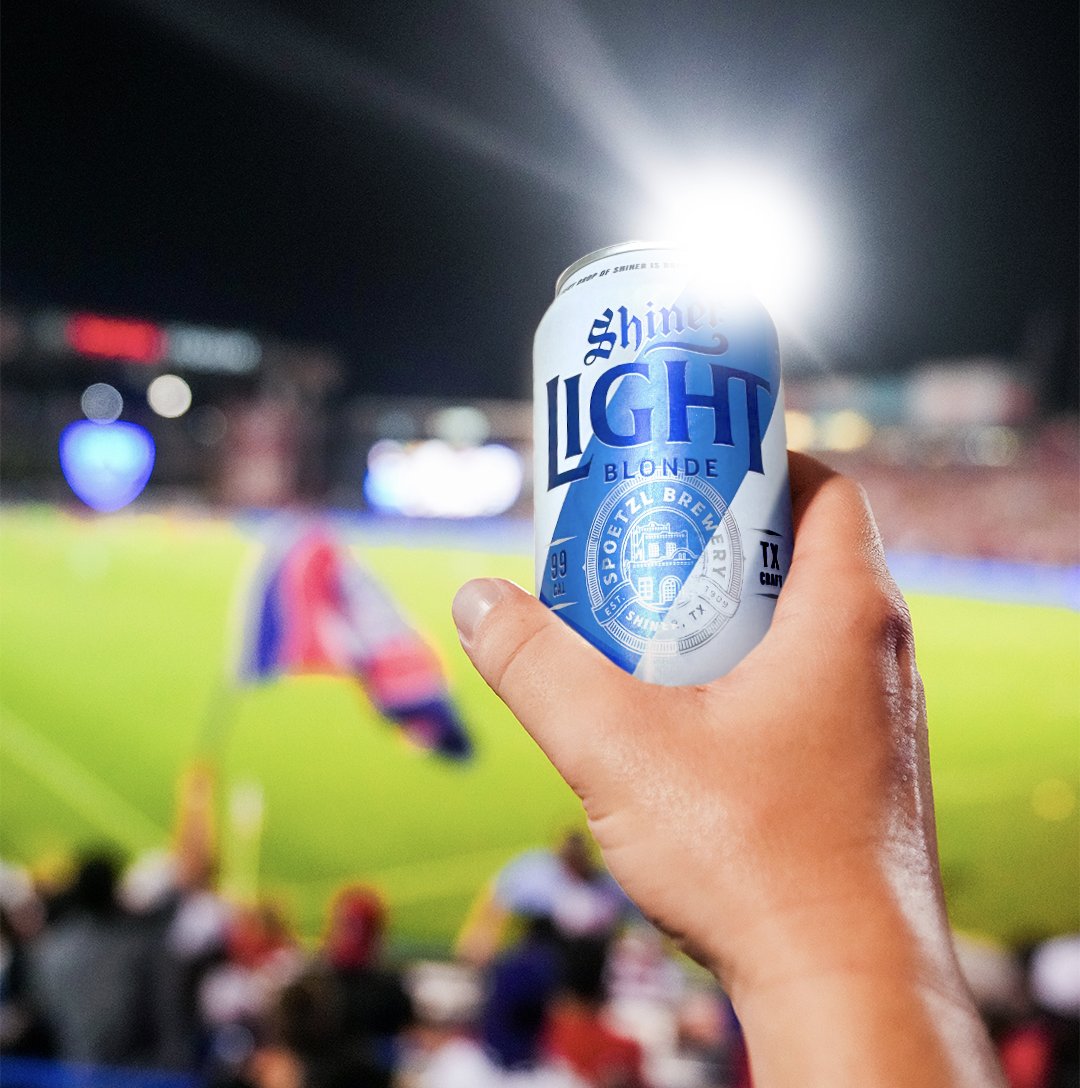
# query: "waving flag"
312,609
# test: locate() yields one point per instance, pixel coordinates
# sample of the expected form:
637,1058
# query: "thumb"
568,696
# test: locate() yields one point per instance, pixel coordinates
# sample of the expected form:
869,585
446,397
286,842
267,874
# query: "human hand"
777,822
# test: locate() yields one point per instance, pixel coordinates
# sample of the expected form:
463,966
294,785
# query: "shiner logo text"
633,330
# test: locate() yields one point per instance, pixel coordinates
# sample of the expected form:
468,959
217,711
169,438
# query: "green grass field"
114,635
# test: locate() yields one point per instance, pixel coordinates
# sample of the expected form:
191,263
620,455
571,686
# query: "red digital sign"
115,338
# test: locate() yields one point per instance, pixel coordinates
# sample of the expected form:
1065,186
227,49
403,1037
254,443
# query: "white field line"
437,878
78,787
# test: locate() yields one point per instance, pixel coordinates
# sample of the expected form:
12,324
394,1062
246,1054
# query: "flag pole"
240,861
218,718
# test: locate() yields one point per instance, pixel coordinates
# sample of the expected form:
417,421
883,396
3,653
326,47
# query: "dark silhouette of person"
90,972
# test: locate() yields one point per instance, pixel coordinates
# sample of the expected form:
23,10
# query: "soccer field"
114,649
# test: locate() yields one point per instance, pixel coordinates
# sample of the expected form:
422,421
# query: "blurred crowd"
1028,509
992,514
556,982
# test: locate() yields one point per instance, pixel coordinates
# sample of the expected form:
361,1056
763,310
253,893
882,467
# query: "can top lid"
606,251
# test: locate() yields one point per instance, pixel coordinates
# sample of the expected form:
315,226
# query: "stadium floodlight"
746,227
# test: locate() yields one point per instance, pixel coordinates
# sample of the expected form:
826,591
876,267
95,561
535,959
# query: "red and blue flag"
313,609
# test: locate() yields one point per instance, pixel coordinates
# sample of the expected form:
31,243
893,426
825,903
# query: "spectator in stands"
309,1047
1040,1048
567,885
336,1022
90,973
577,1033
22,915
521,984
375,1005
175,890
237,995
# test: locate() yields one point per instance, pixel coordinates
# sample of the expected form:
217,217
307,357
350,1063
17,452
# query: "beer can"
662,509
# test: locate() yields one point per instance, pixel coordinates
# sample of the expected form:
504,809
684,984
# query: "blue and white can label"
662,510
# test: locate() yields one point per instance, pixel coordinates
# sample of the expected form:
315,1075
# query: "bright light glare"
169,395
745,228
433,479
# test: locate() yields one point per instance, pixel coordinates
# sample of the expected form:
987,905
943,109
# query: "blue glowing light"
106,464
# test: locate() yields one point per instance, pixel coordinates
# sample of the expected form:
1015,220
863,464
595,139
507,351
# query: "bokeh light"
845,431
169,395
992,446
435,479
461,425
800,430
208,425
1055,975
106,464
102,403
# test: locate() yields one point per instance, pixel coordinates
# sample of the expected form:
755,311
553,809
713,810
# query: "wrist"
868,911
859,933
818,982
857,1029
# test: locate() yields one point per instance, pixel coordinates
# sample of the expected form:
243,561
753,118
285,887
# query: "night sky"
404,181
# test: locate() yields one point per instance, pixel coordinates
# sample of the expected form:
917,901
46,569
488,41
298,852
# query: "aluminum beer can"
662,507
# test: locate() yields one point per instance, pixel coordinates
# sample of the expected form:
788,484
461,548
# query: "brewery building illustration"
659,561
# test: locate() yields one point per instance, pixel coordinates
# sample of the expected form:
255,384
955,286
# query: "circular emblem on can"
663,564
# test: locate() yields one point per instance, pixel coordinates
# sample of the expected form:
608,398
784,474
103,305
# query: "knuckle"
877,609
897,619
882,616
512,643
849,492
